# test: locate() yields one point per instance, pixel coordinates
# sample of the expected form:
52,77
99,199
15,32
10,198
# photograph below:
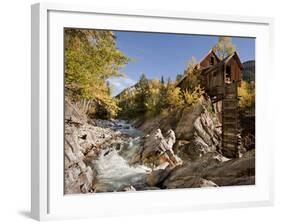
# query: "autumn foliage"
91,57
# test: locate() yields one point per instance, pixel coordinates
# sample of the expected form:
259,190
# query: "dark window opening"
228,73
212,62
215,74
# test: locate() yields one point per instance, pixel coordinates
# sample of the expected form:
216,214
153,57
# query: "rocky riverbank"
178,150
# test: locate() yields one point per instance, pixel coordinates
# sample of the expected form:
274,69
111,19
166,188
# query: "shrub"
174,98
246,93
192,97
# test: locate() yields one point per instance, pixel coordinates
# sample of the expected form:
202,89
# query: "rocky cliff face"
84,141
198,144
78,175
197,130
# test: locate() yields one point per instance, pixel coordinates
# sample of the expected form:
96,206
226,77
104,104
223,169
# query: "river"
113,166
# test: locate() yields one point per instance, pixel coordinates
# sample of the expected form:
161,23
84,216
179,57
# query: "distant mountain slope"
127,90
131,89
249,70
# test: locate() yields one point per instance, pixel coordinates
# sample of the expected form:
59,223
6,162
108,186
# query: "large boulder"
156,177
206,138
197,129
158,149
185,126
214,168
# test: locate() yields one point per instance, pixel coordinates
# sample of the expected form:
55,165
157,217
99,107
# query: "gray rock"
158,149
185,126
79,176
129,188
240,171
102,187
72,114
197,130
157,176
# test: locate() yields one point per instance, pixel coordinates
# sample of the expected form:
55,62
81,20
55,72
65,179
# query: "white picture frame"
48,200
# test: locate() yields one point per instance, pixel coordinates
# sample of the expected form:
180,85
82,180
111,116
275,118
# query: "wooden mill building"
220,79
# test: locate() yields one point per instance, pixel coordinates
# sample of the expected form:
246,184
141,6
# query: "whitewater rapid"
114,169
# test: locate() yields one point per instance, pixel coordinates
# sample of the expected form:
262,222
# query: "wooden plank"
229,111
230,104
229,134
230,95
230,130
229,127
232,118
230,108
230,141
230,122
229,147
230,115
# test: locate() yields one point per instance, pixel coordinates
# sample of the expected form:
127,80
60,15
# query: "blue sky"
157,54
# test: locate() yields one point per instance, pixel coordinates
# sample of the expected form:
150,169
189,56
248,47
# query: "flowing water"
113,166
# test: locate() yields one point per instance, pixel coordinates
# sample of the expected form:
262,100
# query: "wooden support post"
230,121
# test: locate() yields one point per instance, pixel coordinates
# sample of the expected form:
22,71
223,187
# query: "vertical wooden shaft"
230,121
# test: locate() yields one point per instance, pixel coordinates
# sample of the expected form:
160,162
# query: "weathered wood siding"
213,82
207,60
235,70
